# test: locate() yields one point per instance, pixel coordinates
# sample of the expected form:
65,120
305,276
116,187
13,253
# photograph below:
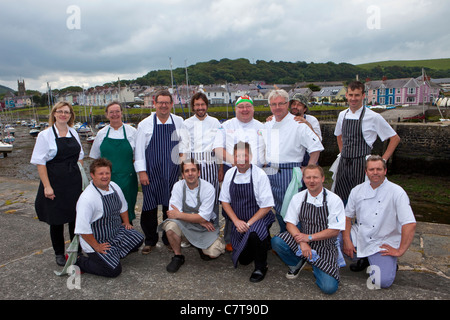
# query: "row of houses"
408,91
98,96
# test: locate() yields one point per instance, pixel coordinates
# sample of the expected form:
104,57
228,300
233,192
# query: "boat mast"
187,87
171,78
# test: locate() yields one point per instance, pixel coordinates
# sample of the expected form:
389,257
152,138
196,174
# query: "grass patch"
425,188
436,64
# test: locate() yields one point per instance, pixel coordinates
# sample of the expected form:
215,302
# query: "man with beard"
199,132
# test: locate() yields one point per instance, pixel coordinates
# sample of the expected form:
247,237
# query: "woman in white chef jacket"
56,152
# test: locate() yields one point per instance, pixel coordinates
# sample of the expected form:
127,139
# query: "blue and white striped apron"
279,181
244,205
109,229
312,220
353,156
162,172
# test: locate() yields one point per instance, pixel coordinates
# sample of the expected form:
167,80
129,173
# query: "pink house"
407,91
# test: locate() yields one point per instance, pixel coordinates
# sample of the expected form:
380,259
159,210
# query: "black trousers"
149,224
93,264
255,250
57,237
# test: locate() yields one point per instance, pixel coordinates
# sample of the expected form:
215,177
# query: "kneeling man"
106,235
313,220
385,224
191,216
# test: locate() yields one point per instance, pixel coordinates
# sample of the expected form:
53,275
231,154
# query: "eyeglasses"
63,112
281,104
200,105
164,103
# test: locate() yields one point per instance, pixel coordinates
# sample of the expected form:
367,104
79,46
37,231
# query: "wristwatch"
310,238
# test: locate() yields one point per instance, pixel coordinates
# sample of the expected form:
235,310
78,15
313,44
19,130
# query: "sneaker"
175,264
294,274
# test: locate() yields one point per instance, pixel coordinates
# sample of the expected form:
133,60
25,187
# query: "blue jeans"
326,283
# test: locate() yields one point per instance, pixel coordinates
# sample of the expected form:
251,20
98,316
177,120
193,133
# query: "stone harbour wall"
424,148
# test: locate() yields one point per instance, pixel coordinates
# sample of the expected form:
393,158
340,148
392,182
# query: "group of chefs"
257,173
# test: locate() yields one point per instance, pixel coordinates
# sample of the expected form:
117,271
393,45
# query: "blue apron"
312,220
162,172
244,205
353,156
109,229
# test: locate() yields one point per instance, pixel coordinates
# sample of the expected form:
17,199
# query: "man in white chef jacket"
199,132
287,142
385,224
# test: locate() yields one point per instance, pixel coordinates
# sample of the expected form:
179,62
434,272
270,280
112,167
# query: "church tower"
21,88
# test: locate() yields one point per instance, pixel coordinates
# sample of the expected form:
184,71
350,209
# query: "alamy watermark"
373,21
74,280
73,21
374,279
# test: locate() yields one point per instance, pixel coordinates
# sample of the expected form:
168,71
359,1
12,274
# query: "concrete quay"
27,266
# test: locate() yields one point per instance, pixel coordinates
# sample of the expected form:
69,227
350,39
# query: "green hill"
435,64
242,71
4,89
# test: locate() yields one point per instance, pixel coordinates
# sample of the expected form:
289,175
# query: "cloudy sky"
86,43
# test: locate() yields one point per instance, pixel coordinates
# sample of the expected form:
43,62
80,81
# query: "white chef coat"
144,135
45,148
314,124
380,214
113,134
232,131
90,209
287,140
199,135
261,185
207,198
336,211
373,124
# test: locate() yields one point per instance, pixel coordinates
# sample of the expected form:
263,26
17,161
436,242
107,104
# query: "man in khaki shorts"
191,217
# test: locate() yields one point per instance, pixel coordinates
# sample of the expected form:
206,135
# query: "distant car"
136,106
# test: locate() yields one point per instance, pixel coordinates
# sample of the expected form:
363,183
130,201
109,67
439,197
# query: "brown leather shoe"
147,249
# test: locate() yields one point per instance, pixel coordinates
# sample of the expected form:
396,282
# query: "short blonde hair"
52,119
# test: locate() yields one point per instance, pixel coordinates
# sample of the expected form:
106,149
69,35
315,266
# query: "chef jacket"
380,214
